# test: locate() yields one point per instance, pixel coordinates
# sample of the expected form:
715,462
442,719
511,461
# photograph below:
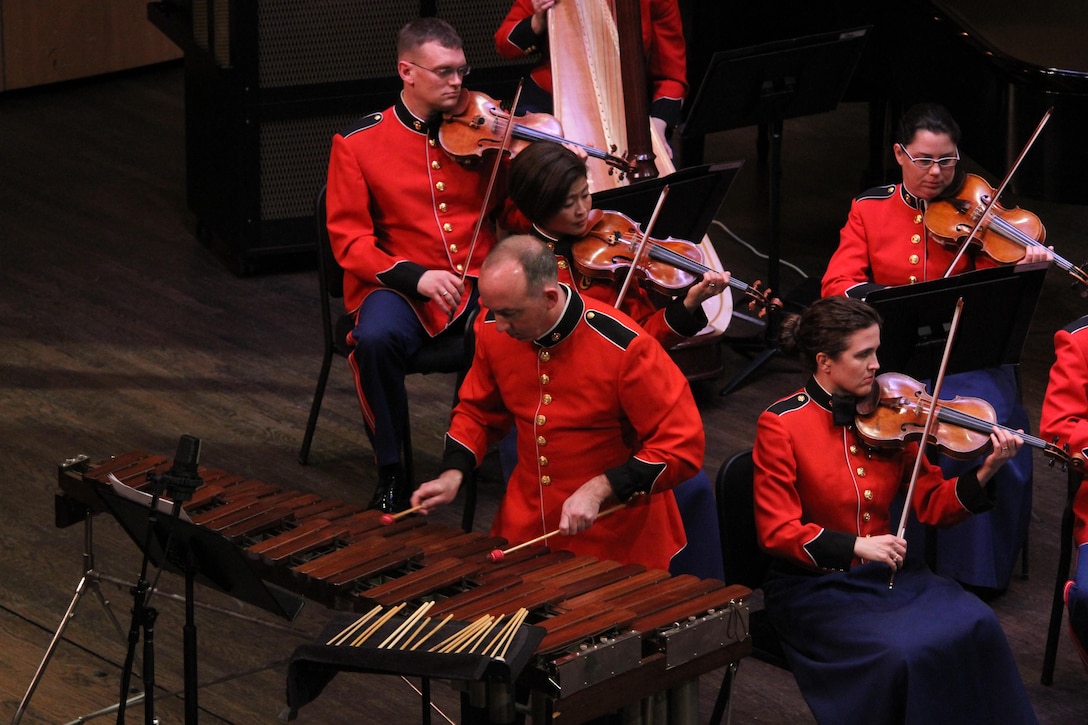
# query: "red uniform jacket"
595,395
662,38
1065,407
885,244
399,205
818,487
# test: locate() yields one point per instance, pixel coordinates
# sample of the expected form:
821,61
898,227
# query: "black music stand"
764,85
917,319
695,196
198,554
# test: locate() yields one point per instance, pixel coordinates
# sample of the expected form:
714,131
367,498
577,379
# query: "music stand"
917,319
764,85
198,554
695,196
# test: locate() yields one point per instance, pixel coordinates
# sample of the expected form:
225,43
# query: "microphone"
182,479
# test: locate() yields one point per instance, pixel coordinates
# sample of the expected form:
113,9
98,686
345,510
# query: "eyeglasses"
445,72
945,162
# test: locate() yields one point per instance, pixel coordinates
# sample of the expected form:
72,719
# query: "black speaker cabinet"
268,83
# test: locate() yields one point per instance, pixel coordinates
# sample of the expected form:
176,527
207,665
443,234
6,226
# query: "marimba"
614,633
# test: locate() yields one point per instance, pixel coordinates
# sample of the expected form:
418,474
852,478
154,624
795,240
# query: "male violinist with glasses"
401,215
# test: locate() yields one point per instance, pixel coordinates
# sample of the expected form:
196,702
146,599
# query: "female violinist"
924,651
547,182
884,243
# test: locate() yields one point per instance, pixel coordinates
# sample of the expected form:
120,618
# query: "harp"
592,50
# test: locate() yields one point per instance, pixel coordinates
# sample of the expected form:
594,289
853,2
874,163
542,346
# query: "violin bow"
997,194
491,185
931,424
641,246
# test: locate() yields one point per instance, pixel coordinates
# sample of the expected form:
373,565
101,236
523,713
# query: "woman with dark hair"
920,651
885,243
548,184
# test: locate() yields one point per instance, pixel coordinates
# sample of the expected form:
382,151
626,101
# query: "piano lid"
998,65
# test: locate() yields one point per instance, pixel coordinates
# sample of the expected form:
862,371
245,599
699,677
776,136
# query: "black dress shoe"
393,493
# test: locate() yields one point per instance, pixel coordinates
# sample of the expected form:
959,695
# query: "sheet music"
165,505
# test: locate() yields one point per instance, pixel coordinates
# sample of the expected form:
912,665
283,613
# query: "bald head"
519,284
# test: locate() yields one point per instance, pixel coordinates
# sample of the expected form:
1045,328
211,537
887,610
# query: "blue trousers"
387,334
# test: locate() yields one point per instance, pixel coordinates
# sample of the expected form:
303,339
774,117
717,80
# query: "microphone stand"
179,484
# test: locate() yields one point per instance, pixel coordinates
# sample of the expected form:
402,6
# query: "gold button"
443,207
861,471
460,268
436,165
547,399
545,356
453,249
912,279
913,259
447,227
866,516
590,315
440,185
541,420
916,239
854,449
544,379
541,441
543,460
418,126
432,142
917,218
545,480
562,264
868,494
555,337
801,398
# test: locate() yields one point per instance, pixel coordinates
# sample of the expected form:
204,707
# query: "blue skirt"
924,651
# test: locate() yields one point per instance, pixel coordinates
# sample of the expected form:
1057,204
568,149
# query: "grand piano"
997,65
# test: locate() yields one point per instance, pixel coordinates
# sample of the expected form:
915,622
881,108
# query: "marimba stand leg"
725,694
90,579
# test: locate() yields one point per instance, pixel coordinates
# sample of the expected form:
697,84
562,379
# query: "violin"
1005,234
897,408
480,125
671,265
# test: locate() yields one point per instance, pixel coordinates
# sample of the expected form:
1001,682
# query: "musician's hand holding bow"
712,284
437,492
887,548
441,287
1006,445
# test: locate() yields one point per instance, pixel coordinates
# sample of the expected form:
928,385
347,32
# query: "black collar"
910,199
843,408
411,122
567,323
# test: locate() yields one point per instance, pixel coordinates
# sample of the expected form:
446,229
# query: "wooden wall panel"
46,41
